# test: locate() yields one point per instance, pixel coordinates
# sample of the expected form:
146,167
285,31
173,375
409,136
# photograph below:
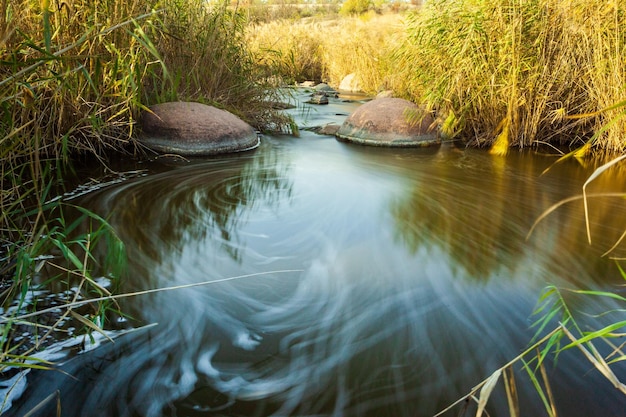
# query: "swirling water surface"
377,282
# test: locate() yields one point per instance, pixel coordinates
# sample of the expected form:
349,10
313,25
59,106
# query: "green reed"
559,327
50,253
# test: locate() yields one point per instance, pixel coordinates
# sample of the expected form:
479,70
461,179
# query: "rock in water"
318,98
195,129
391,122
350,83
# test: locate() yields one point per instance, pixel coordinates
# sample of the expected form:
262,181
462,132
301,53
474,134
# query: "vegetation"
499,74
330,49
355,6
271,10
561,325
74,76
520,73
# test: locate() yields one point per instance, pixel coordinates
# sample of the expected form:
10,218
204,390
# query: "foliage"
204,57
293,50
328,50
265,12
510,72
561,325
67,255
75,78
350,7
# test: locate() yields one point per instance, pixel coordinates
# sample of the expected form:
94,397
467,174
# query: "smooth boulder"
195,129
390,122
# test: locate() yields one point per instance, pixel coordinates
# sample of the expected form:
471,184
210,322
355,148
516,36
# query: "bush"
350,7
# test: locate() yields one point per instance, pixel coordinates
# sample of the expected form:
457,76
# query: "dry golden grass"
74,75
329,49
516,73
67,74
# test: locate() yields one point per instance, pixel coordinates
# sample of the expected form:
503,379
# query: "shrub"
351,7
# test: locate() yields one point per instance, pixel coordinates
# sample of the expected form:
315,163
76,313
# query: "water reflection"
416,282
484,227
164,213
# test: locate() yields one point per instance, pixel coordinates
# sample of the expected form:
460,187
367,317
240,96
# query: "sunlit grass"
510,72
329,49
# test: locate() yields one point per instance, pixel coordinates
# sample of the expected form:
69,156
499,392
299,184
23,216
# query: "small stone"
318,98
329,129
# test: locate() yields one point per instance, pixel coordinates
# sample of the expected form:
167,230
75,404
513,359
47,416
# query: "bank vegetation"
74,77
499,74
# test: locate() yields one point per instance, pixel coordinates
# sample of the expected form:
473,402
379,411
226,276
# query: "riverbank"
74,78
500,75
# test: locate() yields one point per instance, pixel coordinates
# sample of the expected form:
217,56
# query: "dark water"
409,279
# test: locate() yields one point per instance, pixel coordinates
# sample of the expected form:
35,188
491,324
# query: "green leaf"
602,333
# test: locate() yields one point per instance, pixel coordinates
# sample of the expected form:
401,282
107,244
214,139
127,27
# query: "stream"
353,281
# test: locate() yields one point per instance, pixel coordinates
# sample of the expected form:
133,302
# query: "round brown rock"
391,122
195,129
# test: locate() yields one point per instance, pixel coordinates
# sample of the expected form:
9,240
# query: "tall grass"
329,49
519,73
204,57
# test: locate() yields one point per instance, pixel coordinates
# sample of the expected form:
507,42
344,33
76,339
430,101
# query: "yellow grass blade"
511,392
546,383
553,207
5,319
592,177
597,361
90,324
501,144
596,113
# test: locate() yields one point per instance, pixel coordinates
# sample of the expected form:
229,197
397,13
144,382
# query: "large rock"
390,122
195,129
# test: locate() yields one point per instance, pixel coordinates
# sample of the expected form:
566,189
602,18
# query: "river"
366,282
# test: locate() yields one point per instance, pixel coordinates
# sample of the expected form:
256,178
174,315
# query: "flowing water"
371,282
